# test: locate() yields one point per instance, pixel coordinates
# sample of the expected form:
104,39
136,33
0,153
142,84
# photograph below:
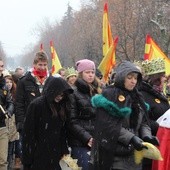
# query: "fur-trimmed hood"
112,108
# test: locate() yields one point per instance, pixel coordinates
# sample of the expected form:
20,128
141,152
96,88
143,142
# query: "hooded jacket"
158,104
44,139
120,115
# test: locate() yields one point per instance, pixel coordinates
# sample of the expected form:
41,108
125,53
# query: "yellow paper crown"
153,66
152,152
70,72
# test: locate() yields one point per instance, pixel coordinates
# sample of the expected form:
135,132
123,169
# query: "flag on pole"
152,51
56,65
41,47
107,34
108,62
109,47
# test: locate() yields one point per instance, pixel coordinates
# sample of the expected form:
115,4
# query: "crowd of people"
44,117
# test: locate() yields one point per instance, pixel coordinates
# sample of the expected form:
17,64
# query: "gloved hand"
151,139
19,127
137,143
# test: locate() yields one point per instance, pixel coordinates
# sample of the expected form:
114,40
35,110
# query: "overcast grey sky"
19,17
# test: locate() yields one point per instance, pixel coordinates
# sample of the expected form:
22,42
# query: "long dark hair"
61,108
13,89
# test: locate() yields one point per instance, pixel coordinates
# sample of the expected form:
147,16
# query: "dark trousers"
17,149
10,154
82,154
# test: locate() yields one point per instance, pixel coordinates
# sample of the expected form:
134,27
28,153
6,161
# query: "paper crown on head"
70,72
153,66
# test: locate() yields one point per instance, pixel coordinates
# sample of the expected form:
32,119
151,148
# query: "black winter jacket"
44,134
27,91
121,114
157,102
81,116
5,101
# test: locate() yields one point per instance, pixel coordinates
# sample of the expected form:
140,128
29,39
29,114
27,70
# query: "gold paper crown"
152,152
153,66
70,72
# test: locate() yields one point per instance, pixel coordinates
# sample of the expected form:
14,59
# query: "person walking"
30,86
81,117
44,133
121,121
11,124
6,110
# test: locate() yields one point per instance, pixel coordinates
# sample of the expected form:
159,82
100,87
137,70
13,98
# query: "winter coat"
5,101
157,102
44,139
120,115
27,91
81,116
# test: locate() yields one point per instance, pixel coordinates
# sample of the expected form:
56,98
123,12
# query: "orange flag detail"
152,51
41,47
56,65
109,47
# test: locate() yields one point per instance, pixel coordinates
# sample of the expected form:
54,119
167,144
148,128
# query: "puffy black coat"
27,91
44,134
157,102
81,116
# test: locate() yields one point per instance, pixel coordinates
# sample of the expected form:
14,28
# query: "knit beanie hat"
85,64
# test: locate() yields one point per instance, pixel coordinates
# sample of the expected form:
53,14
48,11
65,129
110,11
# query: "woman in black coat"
44,137
82,114
152,91
121,121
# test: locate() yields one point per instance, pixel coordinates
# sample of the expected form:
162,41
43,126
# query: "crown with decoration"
70,72
153,66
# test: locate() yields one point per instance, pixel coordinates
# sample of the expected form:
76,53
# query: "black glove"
27,167
151,139
20,127
137,143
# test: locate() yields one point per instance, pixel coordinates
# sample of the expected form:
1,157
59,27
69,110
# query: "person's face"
163,79
62,73
41,65
131,81
71,80
8,83
88,76
20,72
1,67
59,97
